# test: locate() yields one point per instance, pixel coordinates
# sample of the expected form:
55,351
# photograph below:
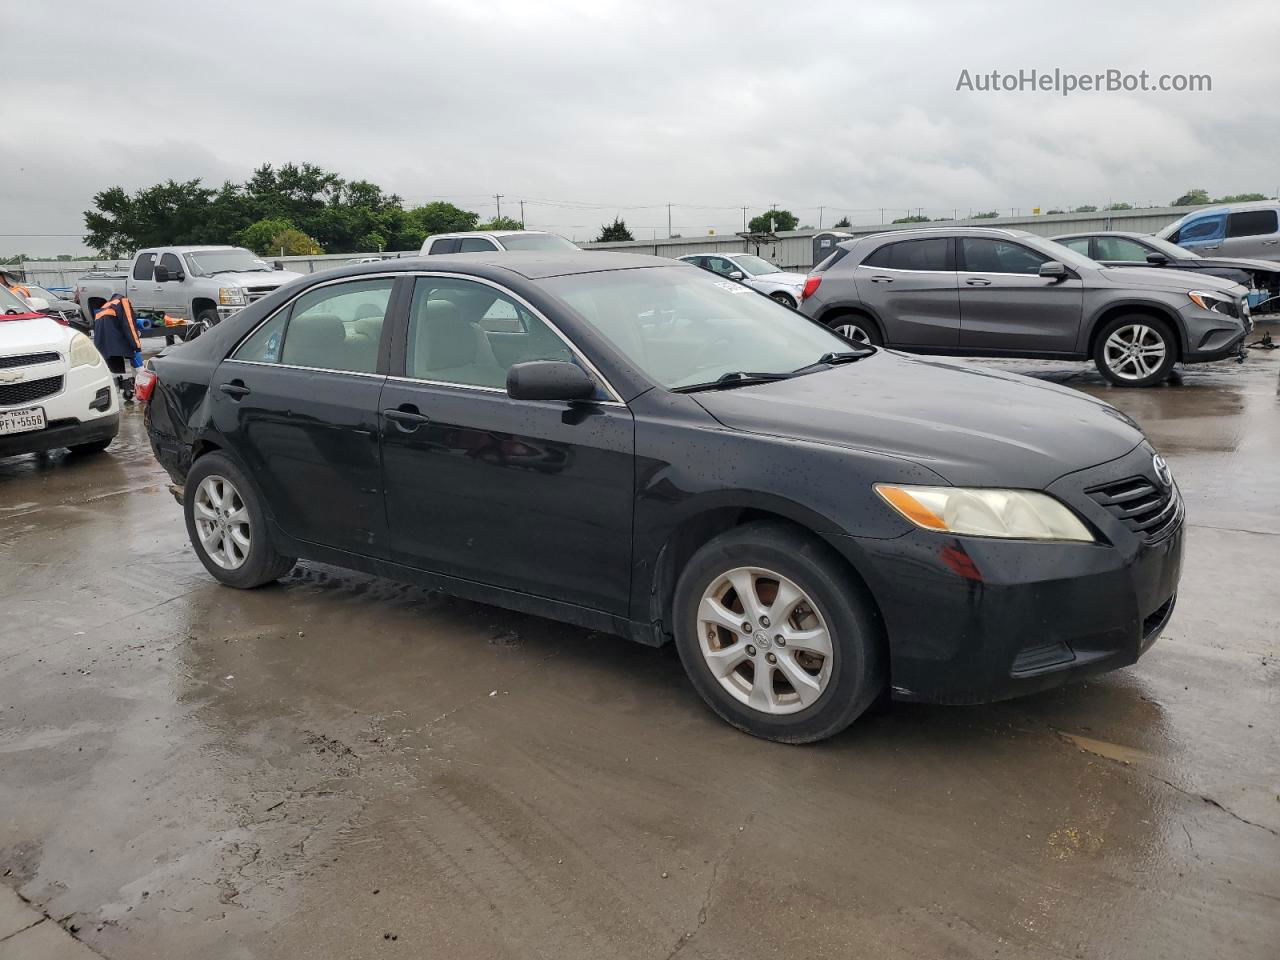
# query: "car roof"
530,264
1127,234
911,232
488,233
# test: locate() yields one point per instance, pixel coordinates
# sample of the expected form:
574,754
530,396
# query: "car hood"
276,278
782,276
1233,263
30,333
975,427
1155,278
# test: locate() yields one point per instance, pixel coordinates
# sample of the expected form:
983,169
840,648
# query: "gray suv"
1008,293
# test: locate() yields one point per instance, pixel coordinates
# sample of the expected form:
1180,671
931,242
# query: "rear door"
1005,305
911,287
298,402
142,287
534,496
1252,233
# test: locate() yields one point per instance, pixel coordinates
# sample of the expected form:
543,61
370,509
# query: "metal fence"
792,251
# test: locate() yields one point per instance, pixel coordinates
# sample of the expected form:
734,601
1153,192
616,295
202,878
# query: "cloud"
710,105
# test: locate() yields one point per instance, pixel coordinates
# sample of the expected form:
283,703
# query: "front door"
910,285
171,297
527,495
1202,234
298,403
1005,305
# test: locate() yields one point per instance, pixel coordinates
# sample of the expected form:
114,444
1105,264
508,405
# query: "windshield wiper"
834,359
734,378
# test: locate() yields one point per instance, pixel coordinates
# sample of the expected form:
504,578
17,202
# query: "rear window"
537,241
444,246
831,261
912,255
1251,223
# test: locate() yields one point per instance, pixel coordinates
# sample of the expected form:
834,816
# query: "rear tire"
1135,350
834,652
858,328
228,526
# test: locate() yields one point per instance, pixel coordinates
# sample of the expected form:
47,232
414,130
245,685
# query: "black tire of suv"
1161,328
859,674
264,564
861,320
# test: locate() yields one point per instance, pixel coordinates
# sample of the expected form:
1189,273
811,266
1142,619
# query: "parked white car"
487,241
55,388
756,272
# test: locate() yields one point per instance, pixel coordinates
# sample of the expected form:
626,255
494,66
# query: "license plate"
22,421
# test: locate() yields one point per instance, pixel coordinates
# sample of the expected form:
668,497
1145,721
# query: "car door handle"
1270,243
235,389
882,279
978,282
406,417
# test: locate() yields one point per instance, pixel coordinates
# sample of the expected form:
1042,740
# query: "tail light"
144,384
811,284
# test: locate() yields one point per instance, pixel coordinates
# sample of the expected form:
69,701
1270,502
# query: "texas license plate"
21,421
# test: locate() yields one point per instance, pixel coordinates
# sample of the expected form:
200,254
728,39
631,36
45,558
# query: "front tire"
776,635
784,299
1135,350
228,527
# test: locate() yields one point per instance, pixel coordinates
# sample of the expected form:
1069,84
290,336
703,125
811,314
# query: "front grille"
254,294
16,394
1148,509
28,359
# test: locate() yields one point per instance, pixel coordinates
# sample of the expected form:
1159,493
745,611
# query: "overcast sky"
851,105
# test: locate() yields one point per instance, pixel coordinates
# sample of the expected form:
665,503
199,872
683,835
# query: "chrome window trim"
419,381
294,366
907,270
613,394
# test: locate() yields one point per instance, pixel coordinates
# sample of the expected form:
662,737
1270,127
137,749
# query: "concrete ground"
341,766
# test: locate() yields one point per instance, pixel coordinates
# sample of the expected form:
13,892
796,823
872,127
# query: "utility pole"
882,216
820,209
744,219
497,198
668,221
521,214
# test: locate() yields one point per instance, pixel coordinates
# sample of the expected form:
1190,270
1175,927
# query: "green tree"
295,243
1087,208
842,222
987,215
614,232
1050,213
169,212
260,237
1192,198
772,221
501,223
1240,198
441,217
912,218
1120,206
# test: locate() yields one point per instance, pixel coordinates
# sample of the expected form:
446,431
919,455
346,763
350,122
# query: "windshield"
41,292
536,241
754,266
206,263
1171,250
684,327
10,302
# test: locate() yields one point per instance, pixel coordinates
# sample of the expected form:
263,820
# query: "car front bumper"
68,432
972,620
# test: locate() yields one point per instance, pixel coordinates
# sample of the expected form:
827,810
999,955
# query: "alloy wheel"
851,331
1134,351
764,640
222,522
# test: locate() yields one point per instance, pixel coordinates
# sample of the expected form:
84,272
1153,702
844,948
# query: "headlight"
980,512
232,296
1217,302
83,352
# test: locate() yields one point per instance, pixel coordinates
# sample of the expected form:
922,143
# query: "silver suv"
487,241
972,291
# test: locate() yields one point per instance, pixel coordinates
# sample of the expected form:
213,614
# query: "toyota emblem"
1162,471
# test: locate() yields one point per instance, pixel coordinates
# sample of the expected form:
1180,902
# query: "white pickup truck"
198,286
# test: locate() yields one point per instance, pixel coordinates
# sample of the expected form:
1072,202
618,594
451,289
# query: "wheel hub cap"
783,663
1134,351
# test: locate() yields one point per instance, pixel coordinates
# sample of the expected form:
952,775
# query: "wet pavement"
341,766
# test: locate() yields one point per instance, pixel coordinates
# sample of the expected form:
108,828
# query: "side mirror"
549,380
736,275
38,304
1158,259
1053,270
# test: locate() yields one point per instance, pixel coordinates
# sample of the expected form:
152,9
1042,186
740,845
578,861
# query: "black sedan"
630,444
1121,249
